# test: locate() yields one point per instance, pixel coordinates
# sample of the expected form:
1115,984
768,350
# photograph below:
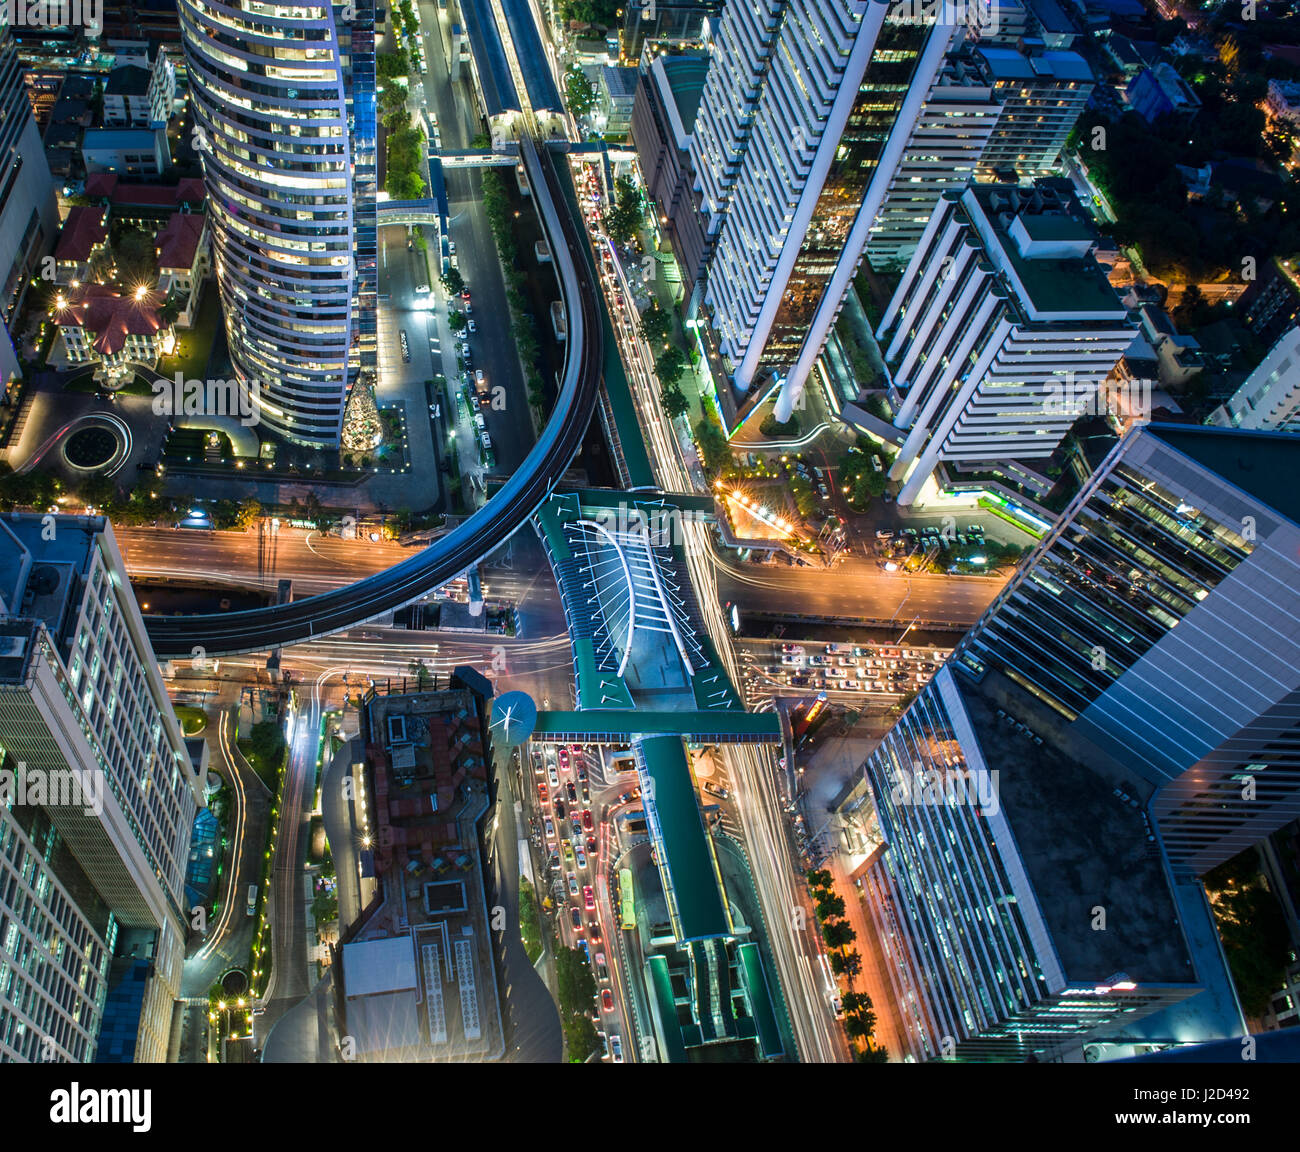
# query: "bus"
625,899
252,899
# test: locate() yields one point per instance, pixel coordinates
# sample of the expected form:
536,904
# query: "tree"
820,878
457,321
417,669
655,325
873,1055
626,214
250,512
853,1002
670,366
861,1026
830,907
453,281
136,259
838,934
711,440
846,963
674,403
579,93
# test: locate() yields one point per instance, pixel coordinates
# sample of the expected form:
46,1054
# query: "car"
575,918
550,828
586,819
559,809
542,791
473,327
600,956
714,790
582,768
884,534
616,1049
451,247
468,310
593,929
589,897
573,884
577,826
568,852
580,855
586,951
421,289
555,779
606,1000
464,295
573,791
591,846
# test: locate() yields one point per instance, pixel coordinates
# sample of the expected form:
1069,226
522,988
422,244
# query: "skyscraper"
1000,330
29,217
942,153
284,108
985,836
806,111
1161,618
100,799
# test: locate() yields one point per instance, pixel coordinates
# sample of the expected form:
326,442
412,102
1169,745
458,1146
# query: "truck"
252,899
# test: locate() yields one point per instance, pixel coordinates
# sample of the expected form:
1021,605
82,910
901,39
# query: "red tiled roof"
187,191
178,241
111,317
85,227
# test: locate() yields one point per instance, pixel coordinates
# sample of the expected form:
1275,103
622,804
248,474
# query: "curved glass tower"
272,85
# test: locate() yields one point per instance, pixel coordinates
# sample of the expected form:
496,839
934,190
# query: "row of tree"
859,1016
501,217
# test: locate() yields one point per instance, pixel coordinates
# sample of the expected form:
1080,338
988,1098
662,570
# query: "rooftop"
112,318
1075,287
110,185
685,76
1081,845
85,229
1262,464
178,240
127,80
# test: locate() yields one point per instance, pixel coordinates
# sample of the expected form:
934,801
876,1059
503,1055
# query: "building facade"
796,144
92,906
29,217
1000,331
1158,617
942,154
291,181
1269,398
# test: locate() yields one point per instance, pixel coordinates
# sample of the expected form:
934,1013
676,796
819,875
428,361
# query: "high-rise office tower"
29,215
806,111
1269,398
1043,92
1000,331
1159,617
100,799
1020,905
284,103
942,153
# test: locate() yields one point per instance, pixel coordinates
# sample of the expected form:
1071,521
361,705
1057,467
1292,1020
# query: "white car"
422,288
451,247
473,327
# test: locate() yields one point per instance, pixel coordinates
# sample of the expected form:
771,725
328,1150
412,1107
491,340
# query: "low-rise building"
616,92
83,238
183,261
115,332
126,151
